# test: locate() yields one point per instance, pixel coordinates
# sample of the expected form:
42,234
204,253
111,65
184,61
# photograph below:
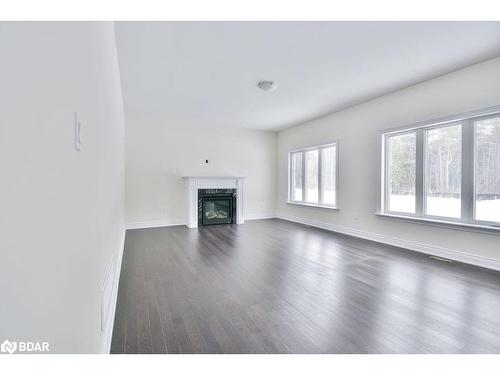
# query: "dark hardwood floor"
272,286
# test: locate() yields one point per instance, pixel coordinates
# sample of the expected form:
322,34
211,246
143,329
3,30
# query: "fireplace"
216,206
199,186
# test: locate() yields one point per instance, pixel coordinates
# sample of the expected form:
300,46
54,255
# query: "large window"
312,176
447,170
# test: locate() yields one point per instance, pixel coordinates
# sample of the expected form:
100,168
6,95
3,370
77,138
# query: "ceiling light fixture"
267,85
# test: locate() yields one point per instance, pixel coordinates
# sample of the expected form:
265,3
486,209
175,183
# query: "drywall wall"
357,132
62,211
159,154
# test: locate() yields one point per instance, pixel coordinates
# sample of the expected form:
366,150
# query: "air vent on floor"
441,259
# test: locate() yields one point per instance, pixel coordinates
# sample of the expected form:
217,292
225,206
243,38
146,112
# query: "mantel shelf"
214,177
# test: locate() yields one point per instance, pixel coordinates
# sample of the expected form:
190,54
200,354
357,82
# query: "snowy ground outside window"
486,210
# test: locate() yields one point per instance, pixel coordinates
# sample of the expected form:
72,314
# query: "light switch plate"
78,133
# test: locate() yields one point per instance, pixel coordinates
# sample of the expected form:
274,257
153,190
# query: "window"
447,170
312,176
312,183
401,172
443,166
328,170
296,183
487,168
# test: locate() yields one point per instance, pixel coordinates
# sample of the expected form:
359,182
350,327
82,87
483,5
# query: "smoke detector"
267,85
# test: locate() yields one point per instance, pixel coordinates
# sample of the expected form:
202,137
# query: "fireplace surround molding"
194,183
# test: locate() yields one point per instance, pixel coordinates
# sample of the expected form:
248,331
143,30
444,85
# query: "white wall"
159,154
61,211
356,130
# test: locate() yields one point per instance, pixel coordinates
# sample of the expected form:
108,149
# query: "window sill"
313,205
482,228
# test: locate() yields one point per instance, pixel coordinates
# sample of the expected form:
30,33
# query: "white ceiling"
205,73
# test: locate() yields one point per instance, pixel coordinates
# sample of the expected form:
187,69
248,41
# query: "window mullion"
320,187
336,175
291,177
386,174
382,193
303,176
467,192
419,173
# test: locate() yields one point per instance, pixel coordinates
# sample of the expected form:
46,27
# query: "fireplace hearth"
216,206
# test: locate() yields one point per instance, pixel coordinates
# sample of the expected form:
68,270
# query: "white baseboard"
168,223
110,319
260,216
441,252
154,223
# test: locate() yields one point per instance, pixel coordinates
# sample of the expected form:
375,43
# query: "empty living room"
218,185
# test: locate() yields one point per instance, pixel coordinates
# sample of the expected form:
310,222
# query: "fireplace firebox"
216,206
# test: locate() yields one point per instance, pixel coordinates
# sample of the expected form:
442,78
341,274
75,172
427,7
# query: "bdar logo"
8,347
24,346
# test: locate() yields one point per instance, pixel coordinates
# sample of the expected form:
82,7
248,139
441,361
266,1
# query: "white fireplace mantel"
193,183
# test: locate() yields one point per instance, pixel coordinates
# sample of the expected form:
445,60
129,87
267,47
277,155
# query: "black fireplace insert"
216,206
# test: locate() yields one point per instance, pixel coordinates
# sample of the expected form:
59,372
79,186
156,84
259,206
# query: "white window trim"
468,171
320,156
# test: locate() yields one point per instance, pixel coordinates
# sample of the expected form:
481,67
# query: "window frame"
468,169
303,151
